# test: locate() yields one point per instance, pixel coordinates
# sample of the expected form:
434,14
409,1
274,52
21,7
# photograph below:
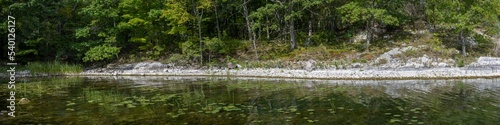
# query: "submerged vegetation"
222,101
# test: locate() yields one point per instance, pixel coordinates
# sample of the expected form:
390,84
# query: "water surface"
208,100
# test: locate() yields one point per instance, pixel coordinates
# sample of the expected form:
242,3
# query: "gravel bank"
485,67
317,74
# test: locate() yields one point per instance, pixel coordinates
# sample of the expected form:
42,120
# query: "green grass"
53,68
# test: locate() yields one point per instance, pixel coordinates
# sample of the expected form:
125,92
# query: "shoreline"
360,74
484,67
400,76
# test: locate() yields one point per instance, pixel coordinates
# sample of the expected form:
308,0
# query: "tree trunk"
292,29
200,16
247,20
217,21
368,35
309,34
461,37
267,27
292,34
281,27
255,48
251,34
462,40
369,31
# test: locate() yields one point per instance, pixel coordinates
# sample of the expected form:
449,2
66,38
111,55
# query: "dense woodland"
206,31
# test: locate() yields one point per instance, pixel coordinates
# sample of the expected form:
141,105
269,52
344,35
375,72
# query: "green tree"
199,7
462,16
369,13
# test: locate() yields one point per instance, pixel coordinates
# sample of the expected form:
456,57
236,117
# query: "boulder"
230,65
309,65
126,66
24,101
357,65
148,65
485,62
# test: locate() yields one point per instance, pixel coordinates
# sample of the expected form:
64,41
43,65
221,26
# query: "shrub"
101,53
190,49
178,59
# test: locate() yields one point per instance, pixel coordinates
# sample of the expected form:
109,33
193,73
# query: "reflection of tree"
461,103
215,101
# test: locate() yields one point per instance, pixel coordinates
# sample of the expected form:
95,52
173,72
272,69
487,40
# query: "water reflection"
220,100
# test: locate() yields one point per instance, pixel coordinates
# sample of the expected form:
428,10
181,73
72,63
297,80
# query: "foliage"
190,49
462,17
354,12
86,31
101,53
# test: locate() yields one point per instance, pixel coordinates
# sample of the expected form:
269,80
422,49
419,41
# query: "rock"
239,66
204,67
485,62
489,60
296,65
148,65
126,66
309,65
101,70
24,101
357,65
230,65
434,64
24,73
442,65
360,37
170,65
111,66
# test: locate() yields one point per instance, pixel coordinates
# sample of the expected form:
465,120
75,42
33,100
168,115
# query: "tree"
284,9
251,33
462,16
44,25
103,29
198,8
370,13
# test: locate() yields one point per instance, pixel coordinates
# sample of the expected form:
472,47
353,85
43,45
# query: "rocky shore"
484,67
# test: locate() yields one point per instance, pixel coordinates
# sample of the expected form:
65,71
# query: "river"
234,101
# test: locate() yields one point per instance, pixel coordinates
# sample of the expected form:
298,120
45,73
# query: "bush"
101,53
462,61
190,50
178,59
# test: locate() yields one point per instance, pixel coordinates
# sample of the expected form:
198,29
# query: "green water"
183,100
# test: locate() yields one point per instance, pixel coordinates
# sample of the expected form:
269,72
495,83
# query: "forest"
205,32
